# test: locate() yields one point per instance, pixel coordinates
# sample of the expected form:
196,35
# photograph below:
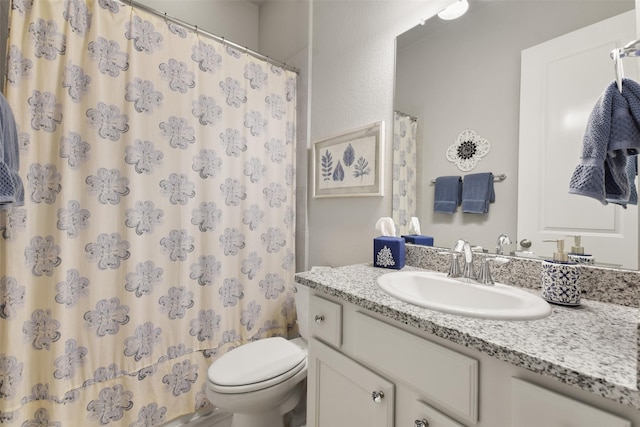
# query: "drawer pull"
319,318
421,423
377,396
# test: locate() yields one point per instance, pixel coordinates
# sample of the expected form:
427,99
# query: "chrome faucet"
463,247
503,239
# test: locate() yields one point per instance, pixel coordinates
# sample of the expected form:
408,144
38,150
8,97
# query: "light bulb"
454,10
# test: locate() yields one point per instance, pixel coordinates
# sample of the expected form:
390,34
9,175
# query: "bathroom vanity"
377,361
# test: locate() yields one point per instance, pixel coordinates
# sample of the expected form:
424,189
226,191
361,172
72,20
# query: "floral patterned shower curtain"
404,170
158,226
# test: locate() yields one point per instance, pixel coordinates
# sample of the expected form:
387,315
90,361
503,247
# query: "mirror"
463,75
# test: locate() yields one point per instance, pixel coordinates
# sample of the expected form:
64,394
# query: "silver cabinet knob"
377,396
319,318
421,423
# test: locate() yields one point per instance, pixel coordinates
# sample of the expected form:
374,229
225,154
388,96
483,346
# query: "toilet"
260,382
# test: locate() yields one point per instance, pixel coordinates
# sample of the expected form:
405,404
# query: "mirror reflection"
465,75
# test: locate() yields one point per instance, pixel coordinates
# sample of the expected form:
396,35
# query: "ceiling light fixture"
454,10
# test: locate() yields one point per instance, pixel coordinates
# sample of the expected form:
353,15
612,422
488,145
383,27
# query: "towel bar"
496,178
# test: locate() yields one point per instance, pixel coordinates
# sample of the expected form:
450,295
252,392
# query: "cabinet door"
534,406
344,393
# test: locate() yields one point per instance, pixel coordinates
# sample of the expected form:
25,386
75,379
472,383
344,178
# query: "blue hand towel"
447,194
11,187
477,193
611,136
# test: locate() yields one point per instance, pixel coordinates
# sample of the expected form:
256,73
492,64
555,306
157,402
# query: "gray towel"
632,171
11,187
611,136
477,193
447,194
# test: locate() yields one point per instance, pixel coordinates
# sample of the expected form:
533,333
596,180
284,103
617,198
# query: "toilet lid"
256,362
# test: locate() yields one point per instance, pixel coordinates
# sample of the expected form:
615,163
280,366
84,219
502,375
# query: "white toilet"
261,381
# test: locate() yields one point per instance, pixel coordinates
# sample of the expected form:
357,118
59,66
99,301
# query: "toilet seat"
256,366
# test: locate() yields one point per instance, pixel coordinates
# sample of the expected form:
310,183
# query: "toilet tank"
301,297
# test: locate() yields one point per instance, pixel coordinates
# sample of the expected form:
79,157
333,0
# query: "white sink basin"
438,292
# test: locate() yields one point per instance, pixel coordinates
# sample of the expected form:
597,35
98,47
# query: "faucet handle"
485,272
454,267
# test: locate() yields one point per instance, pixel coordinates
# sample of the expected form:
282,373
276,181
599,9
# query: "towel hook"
617,62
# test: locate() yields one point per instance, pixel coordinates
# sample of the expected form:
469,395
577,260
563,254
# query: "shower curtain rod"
213,36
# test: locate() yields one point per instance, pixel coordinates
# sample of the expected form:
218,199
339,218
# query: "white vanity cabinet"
368,370
373,374
534,406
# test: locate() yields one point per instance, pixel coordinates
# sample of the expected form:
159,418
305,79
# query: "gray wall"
352,86
237,21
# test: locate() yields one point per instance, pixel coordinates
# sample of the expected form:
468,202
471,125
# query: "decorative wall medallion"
467,151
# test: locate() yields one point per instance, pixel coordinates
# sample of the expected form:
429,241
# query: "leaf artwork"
349,156
327,165
362,168
338,173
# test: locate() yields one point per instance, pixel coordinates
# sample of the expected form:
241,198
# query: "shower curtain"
158,226
404,170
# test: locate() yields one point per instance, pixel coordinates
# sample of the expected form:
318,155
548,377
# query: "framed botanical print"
350,164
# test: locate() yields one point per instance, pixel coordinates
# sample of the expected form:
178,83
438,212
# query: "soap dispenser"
577,252
560,278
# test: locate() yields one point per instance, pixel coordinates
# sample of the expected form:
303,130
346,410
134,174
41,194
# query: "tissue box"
418,239
388,252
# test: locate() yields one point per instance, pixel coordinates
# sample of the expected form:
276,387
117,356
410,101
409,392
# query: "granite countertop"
592,347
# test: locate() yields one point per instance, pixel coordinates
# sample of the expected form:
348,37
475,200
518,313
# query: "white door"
561,80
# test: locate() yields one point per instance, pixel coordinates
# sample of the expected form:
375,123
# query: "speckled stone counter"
592,347
616,286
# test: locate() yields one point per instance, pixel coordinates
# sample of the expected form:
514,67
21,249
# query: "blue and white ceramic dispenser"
560,278
388,250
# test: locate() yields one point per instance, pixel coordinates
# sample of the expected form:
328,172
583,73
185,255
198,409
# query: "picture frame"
350,164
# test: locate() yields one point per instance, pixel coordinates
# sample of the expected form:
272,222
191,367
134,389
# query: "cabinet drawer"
432,417
533,405
442,376
325,320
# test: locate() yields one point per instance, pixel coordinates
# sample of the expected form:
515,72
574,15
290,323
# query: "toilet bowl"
262,381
